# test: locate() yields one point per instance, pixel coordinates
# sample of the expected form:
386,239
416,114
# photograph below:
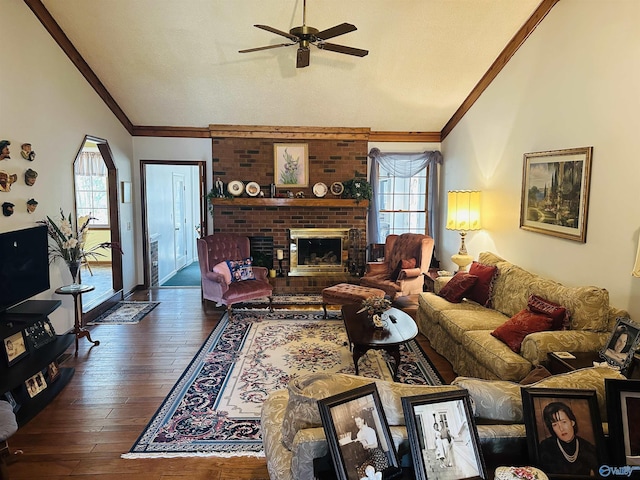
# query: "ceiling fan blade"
302,59
291,37
342,49
265,48
335,31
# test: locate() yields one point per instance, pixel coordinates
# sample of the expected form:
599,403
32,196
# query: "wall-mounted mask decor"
7,209
32,204
27,153
6,180
4,149
30,177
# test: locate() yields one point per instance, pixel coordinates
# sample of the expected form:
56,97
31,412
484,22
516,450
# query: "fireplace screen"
318,251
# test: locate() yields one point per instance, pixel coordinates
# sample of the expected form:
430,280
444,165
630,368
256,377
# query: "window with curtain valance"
405,196
91,181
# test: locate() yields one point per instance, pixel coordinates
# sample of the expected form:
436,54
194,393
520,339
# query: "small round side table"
76,290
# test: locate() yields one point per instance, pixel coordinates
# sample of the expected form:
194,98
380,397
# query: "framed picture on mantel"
291,165
555,193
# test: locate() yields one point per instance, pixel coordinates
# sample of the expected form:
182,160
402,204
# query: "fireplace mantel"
290,202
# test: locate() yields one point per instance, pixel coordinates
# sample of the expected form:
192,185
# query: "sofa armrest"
409,273
535,346
440,282
261,273
277,455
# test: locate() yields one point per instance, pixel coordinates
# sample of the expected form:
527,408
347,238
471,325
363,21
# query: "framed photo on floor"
358,434
623,414
15,347
443,436
564,431
555,193
622,344
291,164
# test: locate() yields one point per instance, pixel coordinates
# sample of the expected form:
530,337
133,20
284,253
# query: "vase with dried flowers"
69,242
375,307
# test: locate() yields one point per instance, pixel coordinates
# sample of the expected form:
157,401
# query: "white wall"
574,83
45,101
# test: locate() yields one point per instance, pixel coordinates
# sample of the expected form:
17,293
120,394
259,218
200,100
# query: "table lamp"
463,214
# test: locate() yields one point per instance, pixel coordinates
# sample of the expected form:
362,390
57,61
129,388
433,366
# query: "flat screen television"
24,265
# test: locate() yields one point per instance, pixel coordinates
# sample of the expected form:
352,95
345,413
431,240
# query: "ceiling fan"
305,36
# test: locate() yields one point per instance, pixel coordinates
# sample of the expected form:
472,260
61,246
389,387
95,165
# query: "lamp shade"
463,210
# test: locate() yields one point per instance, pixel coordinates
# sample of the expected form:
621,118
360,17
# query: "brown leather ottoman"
345,293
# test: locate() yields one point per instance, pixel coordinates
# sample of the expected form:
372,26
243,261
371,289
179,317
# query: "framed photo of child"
358,434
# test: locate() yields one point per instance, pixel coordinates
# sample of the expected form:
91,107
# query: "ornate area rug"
300,299
125,313
214,408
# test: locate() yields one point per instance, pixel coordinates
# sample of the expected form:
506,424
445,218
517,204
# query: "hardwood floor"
116,389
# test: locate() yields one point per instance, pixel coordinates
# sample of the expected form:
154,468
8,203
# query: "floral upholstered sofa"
462,332
293,436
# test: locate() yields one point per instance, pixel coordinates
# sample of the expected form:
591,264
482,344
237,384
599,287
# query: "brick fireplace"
330,160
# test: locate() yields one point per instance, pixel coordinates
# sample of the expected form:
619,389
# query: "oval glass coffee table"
363,336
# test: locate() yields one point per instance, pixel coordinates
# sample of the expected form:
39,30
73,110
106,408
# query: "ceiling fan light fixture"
304,36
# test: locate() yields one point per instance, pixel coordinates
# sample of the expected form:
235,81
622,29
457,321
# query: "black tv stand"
13,377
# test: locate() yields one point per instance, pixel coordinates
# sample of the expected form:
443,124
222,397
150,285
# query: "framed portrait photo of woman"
358,435
564,431
443,437
622,344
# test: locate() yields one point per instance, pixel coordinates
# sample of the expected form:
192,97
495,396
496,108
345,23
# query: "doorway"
96,195
173,214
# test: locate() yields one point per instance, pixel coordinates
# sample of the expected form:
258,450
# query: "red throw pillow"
559,314
513,331
411,263
481,291
456,288
402,265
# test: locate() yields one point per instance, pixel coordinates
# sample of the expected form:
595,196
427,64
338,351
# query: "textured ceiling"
176,62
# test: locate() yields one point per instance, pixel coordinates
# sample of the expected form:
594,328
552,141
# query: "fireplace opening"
318,251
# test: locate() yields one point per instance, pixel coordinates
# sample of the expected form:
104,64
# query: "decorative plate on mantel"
337,188
320,189
252,189
235,188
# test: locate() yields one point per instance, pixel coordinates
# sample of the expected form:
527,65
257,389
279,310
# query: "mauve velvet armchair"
410,247
220,247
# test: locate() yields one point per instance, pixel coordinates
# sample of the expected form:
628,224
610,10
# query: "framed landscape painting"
291,165
358,434
564,431
555,193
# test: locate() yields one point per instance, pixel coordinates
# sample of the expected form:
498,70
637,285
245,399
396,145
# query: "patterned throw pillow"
513,331
481,291
456,289
241,269
561,319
